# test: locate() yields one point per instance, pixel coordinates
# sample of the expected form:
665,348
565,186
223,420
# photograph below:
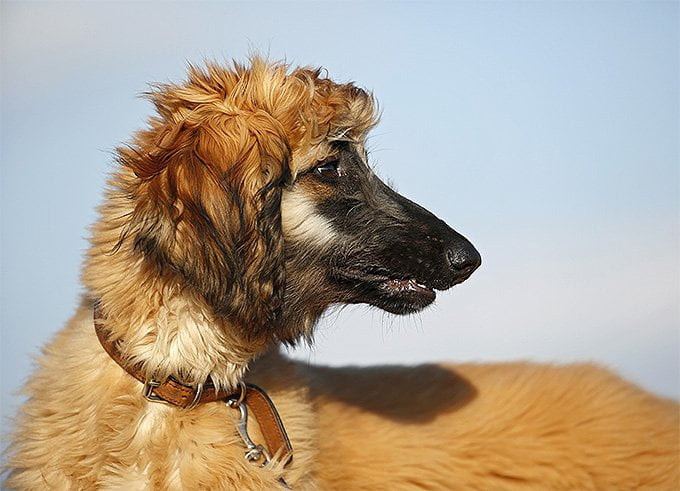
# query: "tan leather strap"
272,428
184,396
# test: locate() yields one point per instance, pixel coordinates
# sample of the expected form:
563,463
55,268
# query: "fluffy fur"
234,220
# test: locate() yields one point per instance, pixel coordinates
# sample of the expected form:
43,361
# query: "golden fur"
187,261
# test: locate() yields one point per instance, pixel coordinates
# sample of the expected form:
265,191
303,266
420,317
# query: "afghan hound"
243,210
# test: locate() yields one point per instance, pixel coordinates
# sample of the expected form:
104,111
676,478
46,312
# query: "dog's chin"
394,295
402,297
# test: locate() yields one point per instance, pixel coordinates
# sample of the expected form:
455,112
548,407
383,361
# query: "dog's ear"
207,199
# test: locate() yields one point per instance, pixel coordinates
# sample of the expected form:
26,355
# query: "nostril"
463,259
452,258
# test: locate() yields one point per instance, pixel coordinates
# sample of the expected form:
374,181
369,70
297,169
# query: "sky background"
545,132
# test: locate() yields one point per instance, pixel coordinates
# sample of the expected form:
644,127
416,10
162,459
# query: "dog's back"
493,426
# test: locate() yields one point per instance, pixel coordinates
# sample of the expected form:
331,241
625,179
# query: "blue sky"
546,132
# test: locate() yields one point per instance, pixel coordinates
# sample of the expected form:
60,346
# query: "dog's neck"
155,320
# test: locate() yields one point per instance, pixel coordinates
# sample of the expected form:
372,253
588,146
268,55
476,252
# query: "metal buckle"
152,384
254,452
149,386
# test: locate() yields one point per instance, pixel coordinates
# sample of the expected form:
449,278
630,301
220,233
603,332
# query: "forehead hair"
310,109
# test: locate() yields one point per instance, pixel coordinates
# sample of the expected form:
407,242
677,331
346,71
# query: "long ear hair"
207,198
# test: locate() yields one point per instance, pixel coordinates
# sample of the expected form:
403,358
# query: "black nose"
463,259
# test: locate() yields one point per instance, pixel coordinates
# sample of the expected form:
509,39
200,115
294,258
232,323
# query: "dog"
233,221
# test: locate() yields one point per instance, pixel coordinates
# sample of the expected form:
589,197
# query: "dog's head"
252,187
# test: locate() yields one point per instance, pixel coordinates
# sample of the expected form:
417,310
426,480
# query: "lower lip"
407,286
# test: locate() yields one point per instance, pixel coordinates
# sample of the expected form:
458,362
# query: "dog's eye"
329,169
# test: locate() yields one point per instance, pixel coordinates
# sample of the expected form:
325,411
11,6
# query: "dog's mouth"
410,286
387,291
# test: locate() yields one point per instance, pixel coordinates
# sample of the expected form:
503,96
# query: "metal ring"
241,397
197,397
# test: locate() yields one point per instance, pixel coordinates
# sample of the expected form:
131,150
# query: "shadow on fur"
407,394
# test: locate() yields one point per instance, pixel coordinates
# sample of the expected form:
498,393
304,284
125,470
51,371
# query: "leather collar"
175,393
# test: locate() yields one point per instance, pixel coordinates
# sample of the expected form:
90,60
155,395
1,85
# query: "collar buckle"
148,391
